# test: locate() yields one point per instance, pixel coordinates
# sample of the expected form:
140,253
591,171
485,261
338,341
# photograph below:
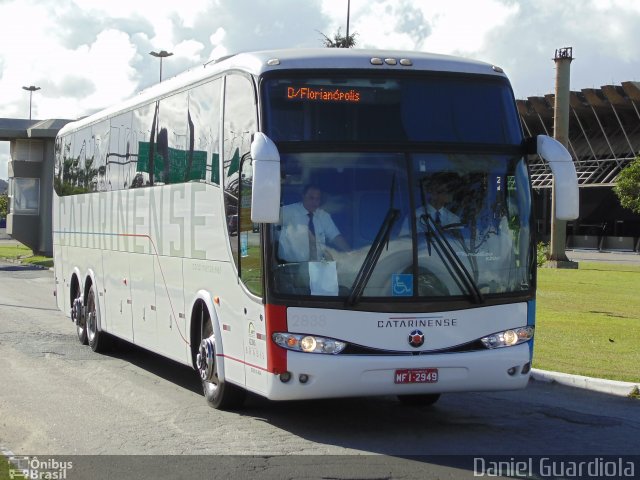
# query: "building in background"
30,172
604,137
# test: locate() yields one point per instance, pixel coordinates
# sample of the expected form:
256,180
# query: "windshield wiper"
373,255
451,261
370,261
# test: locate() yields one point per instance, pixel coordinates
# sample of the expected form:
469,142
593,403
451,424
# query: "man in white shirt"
439,194
306,229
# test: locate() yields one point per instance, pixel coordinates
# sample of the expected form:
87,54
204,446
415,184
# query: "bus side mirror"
265,193
564,176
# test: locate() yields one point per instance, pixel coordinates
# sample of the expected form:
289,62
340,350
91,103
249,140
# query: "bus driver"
440,189
306,229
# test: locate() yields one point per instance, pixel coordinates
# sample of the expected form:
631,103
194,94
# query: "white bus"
178,225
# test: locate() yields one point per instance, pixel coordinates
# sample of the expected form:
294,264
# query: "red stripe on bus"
242,361
276,321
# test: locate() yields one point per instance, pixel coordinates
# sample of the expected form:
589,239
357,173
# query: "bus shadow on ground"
352,422
162,367
19,268
450,434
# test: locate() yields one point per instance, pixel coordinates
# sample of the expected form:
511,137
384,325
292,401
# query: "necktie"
438,221
313,252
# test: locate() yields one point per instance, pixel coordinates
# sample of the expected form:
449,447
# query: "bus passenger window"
249,237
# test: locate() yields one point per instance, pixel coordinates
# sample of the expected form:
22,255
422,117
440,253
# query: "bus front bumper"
331,376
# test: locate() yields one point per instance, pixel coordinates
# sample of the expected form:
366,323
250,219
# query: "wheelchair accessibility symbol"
402,284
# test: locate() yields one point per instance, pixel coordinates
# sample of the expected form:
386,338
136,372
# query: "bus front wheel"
218,393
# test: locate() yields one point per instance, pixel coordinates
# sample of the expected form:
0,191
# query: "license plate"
416,375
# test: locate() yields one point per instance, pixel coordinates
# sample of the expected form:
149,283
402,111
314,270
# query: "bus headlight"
308,343
508,338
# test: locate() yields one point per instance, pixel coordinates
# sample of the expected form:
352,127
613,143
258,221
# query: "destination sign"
320,94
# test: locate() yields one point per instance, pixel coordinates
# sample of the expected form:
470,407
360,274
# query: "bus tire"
78,313
423,400
98,340
218,393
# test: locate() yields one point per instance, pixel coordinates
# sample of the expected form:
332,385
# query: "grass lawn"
588,321
24,254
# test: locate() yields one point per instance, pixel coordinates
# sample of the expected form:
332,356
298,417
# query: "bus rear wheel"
78,314
419,400
218,393
98,341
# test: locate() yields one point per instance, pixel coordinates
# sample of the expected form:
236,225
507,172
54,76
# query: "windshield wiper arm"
451,260
370,261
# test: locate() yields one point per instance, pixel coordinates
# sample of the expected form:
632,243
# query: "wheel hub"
206,361
91,323
77,311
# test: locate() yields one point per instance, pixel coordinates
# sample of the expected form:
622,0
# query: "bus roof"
346,58
257,63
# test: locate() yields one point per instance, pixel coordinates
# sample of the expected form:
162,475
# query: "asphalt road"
58,398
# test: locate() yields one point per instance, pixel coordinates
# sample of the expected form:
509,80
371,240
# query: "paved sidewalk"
612,387
578,255
3,235
6,240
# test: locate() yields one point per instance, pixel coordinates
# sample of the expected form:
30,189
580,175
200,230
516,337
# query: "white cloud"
603,34
440,27
217,42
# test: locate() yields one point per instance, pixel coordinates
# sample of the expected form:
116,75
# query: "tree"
627,186
339,40
4,205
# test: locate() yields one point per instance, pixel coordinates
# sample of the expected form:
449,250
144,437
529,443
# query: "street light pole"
348,12
161,54
30,89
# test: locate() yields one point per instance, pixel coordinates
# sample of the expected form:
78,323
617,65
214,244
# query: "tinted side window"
239,126
100,138
204,125
141,127
72,178
66,166
173,144
119,168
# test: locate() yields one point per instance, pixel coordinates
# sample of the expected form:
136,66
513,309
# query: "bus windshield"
409,187
402,225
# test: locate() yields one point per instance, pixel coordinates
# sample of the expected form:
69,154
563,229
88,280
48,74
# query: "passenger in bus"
305,229
439,190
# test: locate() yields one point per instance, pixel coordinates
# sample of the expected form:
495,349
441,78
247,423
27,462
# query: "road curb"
612,387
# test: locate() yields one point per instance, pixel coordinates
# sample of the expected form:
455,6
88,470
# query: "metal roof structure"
18,128
604,131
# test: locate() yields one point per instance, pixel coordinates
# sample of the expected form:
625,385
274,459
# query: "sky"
86,55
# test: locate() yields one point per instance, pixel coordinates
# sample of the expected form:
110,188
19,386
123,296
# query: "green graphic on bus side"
178,165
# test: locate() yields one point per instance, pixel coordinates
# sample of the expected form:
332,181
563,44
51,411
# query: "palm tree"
339,40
